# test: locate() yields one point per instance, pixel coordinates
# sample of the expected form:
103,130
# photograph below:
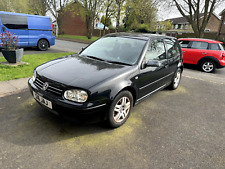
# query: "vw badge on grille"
45,86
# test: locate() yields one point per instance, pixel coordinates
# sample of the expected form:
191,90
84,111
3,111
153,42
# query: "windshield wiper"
121,63
94,57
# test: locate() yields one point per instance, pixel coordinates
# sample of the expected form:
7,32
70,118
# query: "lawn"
26,70
94,38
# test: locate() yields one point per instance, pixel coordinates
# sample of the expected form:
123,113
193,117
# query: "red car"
207,54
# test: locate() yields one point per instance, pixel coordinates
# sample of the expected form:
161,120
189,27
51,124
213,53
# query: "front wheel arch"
118,112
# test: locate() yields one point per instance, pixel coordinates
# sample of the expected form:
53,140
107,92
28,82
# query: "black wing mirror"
153,63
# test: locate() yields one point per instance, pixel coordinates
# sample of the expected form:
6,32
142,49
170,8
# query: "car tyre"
120,109
176,80
208,66
42,45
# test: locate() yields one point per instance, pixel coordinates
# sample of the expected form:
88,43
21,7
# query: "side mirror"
153,63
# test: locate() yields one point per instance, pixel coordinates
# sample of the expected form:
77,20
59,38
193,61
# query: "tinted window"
14,21
199,45
156,51
172,48
184,43
214,46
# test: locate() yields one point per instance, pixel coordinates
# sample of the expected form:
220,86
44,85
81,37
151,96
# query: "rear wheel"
42,44
176,80
120,109
208,66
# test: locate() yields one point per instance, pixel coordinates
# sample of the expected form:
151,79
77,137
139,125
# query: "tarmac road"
60,46
171,129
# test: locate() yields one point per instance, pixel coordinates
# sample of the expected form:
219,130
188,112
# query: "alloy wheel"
121,109
177,79
208,66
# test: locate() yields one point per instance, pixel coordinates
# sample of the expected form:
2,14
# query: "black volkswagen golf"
106,79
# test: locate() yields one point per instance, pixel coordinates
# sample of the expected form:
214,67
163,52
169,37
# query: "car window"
116,49
172,48
222,47
214,46
14,21
184,43
199,45
156,51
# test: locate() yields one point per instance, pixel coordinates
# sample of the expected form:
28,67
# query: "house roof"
184,20
180,19
222,12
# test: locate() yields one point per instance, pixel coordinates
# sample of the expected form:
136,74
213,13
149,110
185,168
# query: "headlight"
34,76
76,95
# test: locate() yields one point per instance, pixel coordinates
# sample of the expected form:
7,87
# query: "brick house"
73,23
182,25
221,30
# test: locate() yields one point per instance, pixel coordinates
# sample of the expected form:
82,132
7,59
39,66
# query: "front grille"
51,88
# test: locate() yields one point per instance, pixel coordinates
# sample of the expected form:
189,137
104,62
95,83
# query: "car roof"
22,14
142,36
201,40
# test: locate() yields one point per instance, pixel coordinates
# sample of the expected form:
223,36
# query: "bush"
143,28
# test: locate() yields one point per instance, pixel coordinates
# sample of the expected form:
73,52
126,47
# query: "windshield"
116,49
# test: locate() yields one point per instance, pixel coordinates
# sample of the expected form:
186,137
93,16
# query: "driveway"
171,129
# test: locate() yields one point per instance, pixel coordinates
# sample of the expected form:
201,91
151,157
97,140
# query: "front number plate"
42,100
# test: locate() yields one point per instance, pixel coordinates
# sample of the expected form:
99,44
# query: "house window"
181,26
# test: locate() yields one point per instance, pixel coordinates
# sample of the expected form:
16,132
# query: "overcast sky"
166,12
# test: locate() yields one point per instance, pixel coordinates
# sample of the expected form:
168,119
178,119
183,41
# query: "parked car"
108,77
32,30
207,54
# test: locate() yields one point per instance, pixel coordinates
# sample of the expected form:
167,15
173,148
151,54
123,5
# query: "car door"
17,25
198,50
153,78
187,52
173,54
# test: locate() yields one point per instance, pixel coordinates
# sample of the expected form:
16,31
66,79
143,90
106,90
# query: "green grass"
26,70
94,38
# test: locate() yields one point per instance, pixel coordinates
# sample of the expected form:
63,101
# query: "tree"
57,9
91,10
38,7
108,7
193,10
6,5
106,22
120,4
140,12
164,25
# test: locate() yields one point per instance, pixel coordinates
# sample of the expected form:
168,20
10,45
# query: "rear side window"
14,21
199,45
172,48
184,43
214,46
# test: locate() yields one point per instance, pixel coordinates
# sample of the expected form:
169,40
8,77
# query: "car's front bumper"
87,112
